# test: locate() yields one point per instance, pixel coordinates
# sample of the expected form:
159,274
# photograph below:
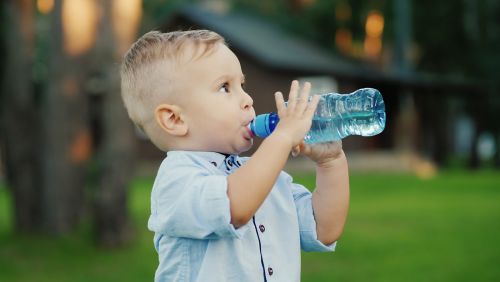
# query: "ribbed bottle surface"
337,116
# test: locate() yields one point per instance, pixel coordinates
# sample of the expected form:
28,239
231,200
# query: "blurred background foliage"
450,37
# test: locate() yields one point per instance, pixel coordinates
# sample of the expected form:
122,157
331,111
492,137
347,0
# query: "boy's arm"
251,183
330,199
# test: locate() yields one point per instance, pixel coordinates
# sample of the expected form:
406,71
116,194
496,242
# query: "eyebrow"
228,77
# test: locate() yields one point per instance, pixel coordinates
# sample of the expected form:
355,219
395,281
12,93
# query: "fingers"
292,96
305,149
280,102
311,109
301,149
303,99
298,103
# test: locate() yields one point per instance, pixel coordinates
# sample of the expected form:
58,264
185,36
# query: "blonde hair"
148,66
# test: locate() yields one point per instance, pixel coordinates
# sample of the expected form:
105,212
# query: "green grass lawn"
400,228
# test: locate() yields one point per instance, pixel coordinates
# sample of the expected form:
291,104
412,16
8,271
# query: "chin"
242,149
246,148
237,148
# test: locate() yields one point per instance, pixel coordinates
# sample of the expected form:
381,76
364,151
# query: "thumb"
305,149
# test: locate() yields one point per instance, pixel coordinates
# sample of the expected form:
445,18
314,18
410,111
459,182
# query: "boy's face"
216,109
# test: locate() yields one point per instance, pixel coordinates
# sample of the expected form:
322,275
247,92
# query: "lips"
247,132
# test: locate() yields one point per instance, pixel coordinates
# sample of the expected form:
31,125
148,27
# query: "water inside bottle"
338,116
325,129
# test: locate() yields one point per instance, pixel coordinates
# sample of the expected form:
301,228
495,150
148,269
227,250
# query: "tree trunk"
112,224
474,160
20,116
65,136
440,127
496,156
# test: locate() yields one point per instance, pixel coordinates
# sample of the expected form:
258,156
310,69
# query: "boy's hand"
296,116
322,154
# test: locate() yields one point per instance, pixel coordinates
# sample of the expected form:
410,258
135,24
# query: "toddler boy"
217,216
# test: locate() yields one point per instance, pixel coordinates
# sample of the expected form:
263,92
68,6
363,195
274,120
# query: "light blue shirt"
195,240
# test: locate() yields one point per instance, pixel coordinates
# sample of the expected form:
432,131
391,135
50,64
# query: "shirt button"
270,271
262,228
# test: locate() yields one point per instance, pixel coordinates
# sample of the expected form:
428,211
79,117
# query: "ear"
170,120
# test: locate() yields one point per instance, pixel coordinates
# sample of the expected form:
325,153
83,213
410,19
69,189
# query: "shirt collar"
219,160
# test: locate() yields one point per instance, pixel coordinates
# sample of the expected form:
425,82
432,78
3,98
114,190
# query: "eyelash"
225,86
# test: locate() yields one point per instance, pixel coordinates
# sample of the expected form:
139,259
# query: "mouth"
248,135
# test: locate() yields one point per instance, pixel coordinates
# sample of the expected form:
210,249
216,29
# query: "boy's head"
184,90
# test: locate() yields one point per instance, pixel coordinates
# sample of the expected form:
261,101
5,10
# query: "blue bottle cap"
263,125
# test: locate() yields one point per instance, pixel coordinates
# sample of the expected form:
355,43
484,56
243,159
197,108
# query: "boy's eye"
224,88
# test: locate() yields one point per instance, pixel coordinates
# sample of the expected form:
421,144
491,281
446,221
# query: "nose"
247,101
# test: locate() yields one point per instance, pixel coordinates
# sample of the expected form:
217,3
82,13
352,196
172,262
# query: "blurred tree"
19,116
469,51
66,138
45,137
156,11
466,44
111,219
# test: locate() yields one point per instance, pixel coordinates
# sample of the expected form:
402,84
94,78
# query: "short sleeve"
307,224
188,201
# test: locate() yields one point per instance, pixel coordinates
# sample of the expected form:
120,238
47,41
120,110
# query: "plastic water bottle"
337,116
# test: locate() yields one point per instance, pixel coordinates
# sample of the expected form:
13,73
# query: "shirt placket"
232,163
262,229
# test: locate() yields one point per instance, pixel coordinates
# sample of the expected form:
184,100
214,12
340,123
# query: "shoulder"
183,167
